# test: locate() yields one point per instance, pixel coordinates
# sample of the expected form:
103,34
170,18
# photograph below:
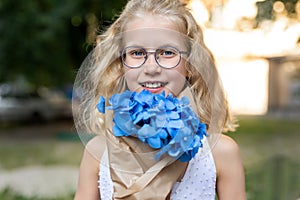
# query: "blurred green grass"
270,150
261,126
269,147
261,138
15,154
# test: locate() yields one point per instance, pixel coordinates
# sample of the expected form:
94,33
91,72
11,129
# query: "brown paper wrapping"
136,175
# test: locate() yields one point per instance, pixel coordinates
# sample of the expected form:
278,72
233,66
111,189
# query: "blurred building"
259,66
284,84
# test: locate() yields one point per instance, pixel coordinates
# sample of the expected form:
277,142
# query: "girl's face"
147,38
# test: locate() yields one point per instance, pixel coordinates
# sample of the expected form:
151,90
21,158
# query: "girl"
159,134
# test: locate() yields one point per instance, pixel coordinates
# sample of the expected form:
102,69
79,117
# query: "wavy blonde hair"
102,74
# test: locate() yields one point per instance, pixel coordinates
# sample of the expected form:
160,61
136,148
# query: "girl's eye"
137,53
167,53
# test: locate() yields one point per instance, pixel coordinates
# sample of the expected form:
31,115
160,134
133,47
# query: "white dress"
198,183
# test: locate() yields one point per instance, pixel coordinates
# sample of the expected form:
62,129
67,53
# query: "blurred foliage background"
45,41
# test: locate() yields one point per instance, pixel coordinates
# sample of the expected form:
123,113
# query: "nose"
151,66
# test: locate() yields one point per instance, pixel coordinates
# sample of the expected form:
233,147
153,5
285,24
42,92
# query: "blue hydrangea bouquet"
163,122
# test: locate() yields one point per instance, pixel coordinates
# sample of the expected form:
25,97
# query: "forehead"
152,32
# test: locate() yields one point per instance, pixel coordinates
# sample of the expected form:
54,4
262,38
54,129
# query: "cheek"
182,69
183,72
179,75
177,81
131,76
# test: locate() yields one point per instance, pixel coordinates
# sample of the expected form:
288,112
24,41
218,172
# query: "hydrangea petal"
161,105
120,100
175,124
160,120
146,131
163,134
185,100
123,122
173,115
154,142
169,105
174,152
101,105
118,132
144,98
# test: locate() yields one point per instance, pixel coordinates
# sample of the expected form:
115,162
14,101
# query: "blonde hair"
102,74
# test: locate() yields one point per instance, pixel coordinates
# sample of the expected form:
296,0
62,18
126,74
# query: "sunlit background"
243,51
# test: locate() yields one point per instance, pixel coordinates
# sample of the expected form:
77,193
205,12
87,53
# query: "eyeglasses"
166,57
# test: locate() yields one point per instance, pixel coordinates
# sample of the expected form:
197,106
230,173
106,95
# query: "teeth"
153,85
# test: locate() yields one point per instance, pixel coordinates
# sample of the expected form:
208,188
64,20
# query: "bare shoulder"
225,146
226,152
230,170
89,169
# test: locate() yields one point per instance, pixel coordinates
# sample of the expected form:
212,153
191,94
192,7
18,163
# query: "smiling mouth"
153,85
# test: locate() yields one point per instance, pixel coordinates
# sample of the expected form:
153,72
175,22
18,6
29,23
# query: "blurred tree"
45,41
266,10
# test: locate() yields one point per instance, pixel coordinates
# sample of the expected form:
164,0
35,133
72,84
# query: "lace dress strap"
105,183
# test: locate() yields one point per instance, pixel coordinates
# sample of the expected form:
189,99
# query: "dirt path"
40,181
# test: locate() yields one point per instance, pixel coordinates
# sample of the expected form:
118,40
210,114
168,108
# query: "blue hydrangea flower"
163,122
